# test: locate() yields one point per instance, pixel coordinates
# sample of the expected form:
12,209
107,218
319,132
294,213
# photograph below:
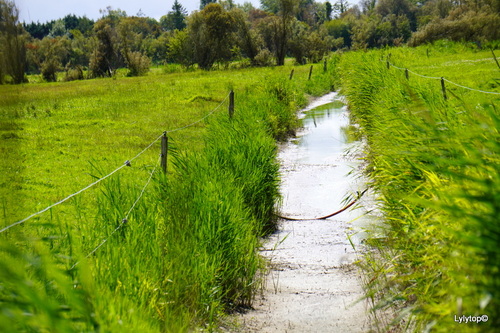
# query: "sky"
47,10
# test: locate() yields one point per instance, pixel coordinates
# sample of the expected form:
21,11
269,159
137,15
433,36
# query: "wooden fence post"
291,74
231,104
407,74
388,64
164,152
325,66
310,72
443,88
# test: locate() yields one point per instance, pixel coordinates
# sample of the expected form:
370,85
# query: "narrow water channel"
313,284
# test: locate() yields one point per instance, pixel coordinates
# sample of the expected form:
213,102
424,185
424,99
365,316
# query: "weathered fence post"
164,151
443,88
388,64
231,104
291,74
310,72
406,74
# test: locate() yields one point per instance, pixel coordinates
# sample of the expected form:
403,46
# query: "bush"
49,68
264,58
469,26
309,46
74,73
138,64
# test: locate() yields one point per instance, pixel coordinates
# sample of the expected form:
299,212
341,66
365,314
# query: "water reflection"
325,133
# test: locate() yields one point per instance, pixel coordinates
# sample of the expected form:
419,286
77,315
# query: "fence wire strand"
65,199
127,163
125,219
145,149
439,78
464,87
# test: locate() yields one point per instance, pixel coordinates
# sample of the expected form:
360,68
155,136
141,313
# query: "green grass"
434,166
187,253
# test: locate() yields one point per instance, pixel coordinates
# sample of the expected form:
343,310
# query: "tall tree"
340,7
329,10
211,34
271,6
288,8
204,3
58,29
12,43
105,57
175,19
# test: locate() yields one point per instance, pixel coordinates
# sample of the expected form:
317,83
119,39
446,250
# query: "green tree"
248,39
329,10
308,45
367,6
131,32
105,57
398,8
50,56
81,48
175,19
341,30
288,8
211,33
13,40
340,7
58,29
204,3
270,6
180,49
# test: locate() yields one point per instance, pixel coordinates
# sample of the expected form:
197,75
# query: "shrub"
138,64
264,58
469,26
49,68
74,73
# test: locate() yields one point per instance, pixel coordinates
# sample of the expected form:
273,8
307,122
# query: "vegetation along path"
313,284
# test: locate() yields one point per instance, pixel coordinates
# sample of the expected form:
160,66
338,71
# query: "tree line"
222,32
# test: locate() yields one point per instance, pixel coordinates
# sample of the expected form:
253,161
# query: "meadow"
433,162
141,251
146,252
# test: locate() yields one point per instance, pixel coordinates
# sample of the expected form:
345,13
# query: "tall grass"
434,164
186,253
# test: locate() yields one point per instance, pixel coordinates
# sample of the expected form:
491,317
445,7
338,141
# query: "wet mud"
313,284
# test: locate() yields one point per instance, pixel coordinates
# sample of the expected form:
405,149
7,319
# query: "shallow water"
319,166
313,285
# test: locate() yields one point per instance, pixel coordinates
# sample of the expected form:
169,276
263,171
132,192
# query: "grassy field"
434,164
171,256
186,253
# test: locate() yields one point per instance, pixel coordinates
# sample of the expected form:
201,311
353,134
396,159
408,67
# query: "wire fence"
126,163
441,78
127,215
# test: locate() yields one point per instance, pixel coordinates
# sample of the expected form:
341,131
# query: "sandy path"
313,285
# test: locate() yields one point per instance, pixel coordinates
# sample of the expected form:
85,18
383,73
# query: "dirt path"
313,285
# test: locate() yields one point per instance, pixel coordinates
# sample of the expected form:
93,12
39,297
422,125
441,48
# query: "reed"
187,252
434,166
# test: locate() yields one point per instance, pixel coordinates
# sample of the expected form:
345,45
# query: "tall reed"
177,256
434,165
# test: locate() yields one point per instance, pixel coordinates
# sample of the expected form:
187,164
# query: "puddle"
318,166
313,284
